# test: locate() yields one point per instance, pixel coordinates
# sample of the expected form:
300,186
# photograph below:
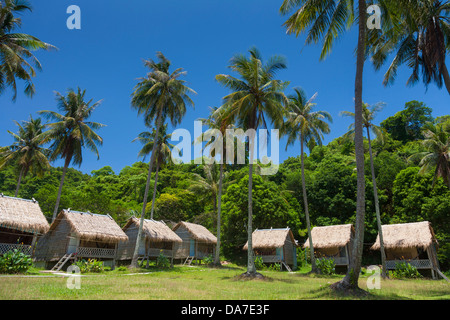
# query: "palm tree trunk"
305,201
19,181
219,211
377,209
251,269
58,198
350,281
154,189
147,186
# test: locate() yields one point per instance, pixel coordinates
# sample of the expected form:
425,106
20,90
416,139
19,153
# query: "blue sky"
105,58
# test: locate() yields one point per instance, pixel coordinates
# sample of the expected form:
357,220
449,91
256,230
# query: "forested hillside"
406,193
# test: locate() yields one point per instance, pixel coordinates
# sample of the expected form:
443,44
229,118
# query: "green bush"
90,265
162,261
15,261
326,266
208,260
405,270
259,264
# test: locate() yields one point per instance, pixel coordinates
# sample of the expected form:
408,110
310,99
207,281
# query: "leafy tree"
71,132
406,125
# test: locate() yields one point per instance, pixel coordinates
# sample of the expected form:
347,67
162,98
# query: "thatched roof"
91,226
406,235
23,215
154,230
330,236
270,238
198,232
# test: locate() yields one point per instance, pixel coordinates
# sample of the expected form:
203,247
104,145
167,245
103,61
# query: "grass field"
201,283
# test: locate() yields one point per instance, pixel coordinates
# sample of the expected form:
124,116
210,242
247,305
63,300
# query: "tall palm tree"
420,38
437,156
27,150
164,151
217,121
307,126
17,60
253,98
158,96
327,20
71,132
369,113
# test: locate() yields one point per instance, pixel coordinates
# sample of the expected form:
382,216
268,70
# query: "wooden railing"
419,264
85,252
5,247
271,259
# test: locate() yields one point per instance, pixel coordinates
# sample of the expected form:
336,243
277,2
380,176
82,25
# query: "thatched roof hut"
414,243
23,215
197,232
81,235
333,242
90,226
157,238
198,242
331,236
270,238
406,236
275,246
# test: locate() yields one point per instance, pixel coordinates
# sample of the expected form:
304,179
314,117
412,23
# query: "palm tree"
16,58
27,150
327,20
420,38
158,96
164,151
253,98
369,113
71,132
308,127
437,142
216,121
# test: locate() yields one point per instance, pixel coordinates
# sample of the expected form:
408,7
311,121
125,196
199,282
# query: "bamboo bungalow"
275,246
21,223
333,242
198,242
78,235
157,238
414,243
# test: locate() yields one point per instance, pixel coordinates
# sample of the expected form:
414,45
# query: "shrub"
326,266
90,265
405,270
259,264
162,261
15,261
208,260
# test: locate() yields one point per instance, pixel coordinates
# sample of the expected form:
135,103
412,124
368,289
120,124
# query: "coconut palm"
71,132
369,113
307,126
163,151
27,151
17,60
158,96
256,97
216,121
328,20
437,156
419,39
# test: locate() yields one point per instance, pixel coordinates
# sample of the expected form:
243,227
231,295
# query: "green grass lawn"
202,283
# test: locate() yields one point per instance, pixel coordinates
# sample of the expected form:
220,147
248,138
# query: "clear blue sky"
105,58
